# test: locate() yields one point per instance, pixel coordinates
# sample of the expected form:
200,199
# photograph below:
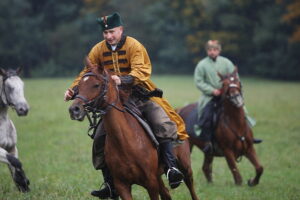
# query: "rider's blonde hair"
213,44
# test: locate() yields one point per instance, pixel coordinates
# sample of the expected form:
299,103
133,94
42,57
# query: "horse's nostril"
22,111
76,109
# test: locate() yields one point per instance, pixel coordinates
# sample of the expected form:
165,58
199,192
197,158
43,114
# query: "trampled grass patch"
56,152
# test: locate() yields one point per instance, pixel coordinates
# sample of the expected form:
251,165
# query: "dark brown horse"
130,154
233,137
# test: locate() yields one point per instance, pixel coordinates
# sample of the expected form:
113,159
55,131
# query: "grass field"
56,152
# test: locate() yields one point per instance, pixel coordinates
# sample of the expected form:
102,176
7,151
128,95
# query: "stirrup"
109,188
105,186
176,183
257,141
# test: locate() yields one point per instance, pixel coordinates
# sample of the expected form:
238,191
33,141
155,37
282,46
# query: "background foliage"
51,37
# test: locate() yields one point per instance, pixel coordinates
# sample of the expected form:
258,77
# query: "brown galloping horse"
130,154
233,137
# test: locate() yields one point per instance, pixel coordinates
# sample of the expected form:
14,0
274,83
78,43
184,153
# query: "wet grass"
56,152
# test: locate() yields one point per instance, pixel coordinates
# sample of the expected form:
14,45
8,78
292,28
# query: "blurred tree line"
51,37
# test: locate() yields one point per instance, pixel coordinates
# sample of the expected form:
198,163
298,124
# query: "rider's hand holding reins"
116,79
68,94
216,92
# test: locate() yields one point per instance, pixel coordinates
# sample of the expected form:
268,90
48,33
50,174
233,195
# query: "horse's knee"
260,170
189,171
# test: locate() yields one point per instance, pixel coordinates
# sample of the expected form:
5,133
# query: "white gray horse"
12,95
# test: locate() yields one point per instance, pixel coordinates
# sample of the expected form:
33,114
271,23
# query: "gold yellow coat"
131,58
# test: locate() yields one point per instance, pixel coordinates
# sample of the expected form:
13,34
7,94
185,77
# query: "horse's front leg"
3,157
207,167
15,167
251,155
124,190
163,190
153,187
230,158
184,162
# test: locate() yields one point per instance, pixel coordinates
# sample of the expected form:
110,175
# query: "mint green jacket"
206,79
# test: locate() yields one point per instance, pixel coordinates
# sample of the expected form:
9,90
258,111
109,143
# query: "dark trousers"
208,120
98,147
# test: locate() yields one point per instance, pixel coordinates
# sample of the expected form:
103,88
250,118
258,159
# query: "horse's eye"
9,88
96,85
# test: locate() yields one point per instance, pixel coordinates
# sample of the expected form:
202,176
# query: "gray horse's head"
12,91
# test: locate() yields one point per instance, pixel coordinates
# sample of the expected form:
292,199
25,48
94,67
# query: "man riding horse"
208,82
130,65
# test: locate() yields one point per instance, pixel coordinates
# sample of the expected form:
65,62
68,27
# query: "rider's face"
113,36
213,53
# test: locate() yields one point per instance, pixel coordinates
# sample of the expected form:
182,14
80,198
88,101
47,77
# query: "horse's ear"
235,71
87,63
92,66
2,72
19,70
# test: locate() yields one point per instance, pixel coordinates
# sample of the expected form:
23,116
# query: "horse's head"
92,91
231,88
12,91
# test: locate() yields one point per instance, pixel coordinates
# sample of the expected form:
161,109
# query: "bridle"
232,85
3,91
96,103
99,106
231,98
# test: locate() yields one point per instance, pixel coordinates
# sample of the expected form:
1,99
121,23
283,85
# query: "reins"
94,108
241,138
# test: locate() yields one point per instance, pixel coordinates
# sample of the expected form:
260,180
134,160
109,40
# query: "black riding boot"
109,190
173,174
206,135
257,141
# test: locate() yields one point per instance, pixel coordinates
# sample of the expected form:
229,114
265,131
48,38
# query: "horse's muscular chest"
8,136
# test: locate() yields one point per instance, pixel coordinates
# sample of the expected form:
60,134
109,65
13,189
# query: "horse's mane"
1,82
1,87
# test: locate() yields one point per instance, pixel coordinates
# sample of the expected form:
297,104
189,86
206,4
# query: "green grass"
56,152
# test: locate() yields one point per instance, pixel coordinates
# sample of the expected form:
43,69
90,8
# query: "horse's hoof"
251,183
24,190
24,187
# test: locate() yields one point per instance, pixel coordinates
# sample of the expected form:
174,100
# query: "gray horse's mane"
1,82
1,87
